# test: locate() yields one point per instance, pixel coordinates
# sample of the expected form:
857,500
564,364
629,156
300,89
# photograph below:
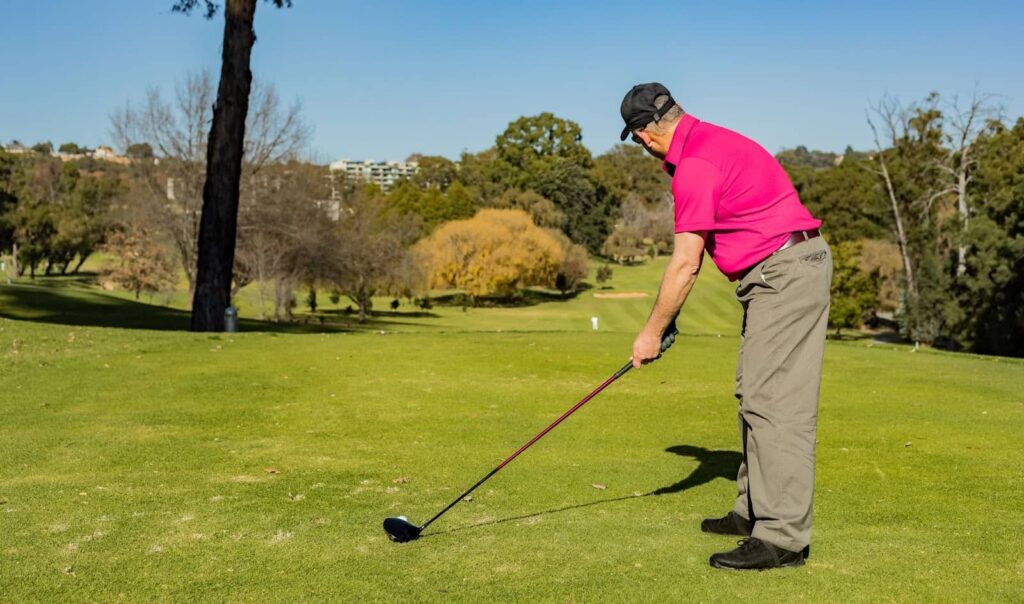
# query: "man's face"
653,145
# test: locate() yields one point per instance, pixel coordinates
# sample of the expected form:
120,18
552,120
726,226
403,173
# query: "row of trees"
934,216
53,215
298,227
927,225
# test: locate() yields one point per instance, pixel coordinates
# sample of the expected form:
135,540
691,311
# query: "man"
733,199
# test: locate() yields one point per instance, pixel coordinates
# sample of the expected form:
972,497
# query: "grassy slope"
134,463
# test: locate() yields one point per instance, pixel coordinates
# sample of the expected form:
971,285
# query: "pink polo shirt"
728,185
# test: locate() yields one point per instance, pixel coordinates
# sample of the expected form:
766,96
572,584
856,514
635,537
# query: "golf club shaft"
584,401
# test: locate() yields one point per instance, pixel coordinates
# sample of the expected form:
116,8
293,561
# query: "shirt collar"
675,148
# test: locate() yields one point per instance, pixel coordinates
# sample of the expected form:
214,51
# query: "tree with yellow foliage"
496,252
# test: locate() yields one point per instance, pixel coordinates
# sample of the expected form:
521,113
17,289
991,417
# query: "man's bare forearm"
676,284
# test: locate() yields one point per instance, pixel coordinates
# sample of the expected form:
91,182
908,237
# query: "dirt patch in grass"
620,295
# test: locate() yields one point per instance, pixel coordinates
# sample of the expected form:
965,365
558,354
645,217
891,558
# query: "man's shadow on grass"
710,465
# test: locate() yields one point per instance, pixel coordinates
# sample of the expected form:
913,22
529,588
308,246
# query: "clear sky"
381,79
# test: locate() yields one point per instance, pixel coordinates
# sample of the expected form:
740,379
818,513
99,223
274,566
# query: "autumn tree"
496,252
139,262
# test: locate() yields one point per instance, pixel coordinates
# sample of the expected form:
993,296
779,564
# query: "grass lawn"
150,465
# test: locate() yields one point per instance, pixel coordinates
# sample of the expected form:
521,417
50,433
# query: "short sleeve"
695,190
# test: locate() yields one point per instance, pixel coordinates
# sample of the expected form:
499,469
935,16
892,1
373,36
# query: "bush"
496,252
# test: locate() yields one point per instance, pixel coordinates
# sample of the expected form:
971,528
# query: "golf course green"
141,462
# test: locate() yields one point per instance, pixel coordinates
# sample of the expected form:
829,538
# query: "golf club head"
400,530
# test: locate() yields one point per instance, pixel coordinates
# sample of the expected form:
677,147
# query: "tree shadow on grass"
711,465
75,301
70,303
529,296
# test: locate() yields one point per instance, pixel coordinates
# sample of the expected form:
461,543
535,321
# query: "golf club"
400,530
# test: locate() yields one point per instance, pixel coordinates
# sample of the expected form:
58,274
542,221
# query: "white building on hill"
383,173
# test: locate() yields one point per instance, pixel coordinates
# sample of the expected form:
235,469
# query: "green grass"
135,461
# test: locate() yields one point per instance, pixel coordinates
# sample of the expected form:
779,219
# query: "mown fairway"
158,465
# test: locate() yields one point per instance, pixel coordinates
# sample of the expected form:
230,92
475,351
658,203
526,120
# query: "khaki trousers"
785,302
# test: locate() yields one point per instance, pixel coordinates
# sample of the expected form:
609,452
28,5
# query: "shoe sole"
795,564
736,534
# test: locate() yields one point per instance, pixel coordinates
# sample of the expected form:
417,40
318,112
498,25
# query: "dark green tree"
848,198
628,170
854,292
986,312
139,151
531,145
435,172
72,149
432,205
9,168
801,156
545,154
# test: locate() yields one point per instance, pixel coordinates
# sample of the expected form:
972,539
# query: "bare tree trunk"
18,270
259,288
219,220
897,218
277,299
900,233
967,124
81,261
964,210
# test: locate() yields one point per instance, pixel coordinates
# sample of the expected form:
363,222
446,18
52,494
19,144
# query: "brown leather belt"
798,237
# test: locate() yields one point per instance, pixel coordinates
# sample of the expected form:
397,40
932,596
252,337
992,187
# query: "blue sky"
382,79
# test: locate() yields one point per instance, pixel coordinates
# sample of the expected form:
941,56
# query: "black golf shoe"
730,524
754,554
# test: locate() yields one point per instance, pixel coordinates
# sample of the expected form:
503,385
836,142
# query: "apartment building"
383,173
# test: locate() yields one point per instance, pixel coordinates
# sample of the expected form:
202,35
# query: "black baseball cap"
638,108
